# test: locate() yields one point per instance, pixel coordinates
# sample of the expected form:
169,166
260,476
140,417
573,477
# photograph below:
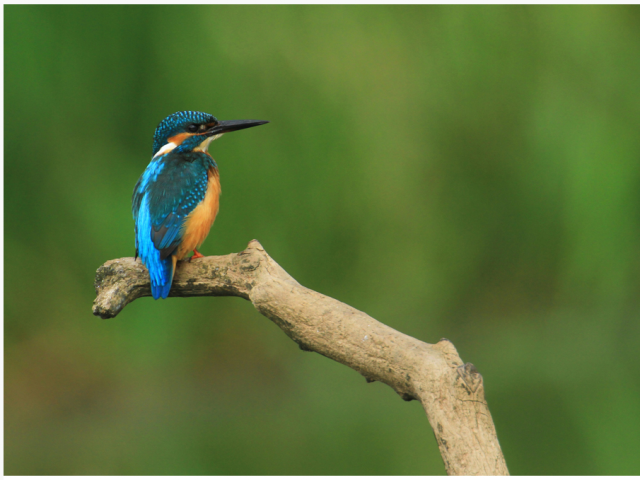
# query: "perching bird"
176,199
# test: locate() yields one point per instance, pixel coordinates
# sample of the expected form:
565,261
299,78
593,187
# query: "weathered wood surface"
452,393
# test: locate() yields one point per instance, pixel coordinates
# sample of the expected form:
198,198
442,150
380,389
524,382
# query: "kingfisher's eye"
193,127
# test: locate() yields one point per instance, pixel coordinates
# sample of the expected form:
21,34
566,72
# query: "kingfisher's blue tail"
160,270
159,289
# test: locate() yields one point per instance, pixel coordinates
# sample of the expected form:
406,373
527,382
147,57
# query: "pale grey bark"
452,393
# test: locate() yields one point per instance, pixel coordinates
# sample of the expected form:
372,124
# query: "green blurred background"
462,172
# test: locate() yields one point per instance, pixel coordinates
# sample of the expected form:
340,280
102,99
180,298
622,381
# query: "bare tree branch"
452,393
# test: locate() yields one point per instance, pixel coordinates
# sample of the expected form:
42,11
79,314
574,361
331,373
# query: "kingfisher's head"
193,131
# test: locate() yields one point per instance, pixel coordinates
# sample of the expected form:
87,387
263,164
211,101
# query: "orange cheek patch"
178,139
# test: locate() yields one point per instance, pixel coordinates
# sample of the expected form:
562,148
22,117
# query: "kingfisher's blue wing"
172,192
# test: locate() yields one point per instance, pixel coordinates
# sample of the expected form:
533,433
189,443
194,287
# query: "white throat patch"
205,144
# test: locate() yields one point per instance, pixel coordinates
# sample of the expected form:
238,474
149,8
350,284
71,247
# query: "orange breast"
199,221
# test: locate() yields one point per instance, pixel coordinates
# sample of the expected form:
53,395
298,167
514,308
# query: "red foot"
196,254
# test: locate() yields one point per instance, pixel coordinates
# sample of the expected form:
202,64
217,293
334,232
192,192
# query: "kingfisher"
176,199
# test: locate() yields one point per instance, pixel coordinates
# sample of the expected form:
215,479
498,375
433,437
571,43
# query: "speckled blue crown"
177,123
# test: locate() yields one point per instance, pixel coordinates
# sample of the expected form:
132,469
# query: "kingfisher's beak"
233,125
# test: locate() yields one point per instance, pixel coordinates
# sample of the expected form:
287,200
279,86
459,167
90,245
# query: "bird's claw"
196,254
